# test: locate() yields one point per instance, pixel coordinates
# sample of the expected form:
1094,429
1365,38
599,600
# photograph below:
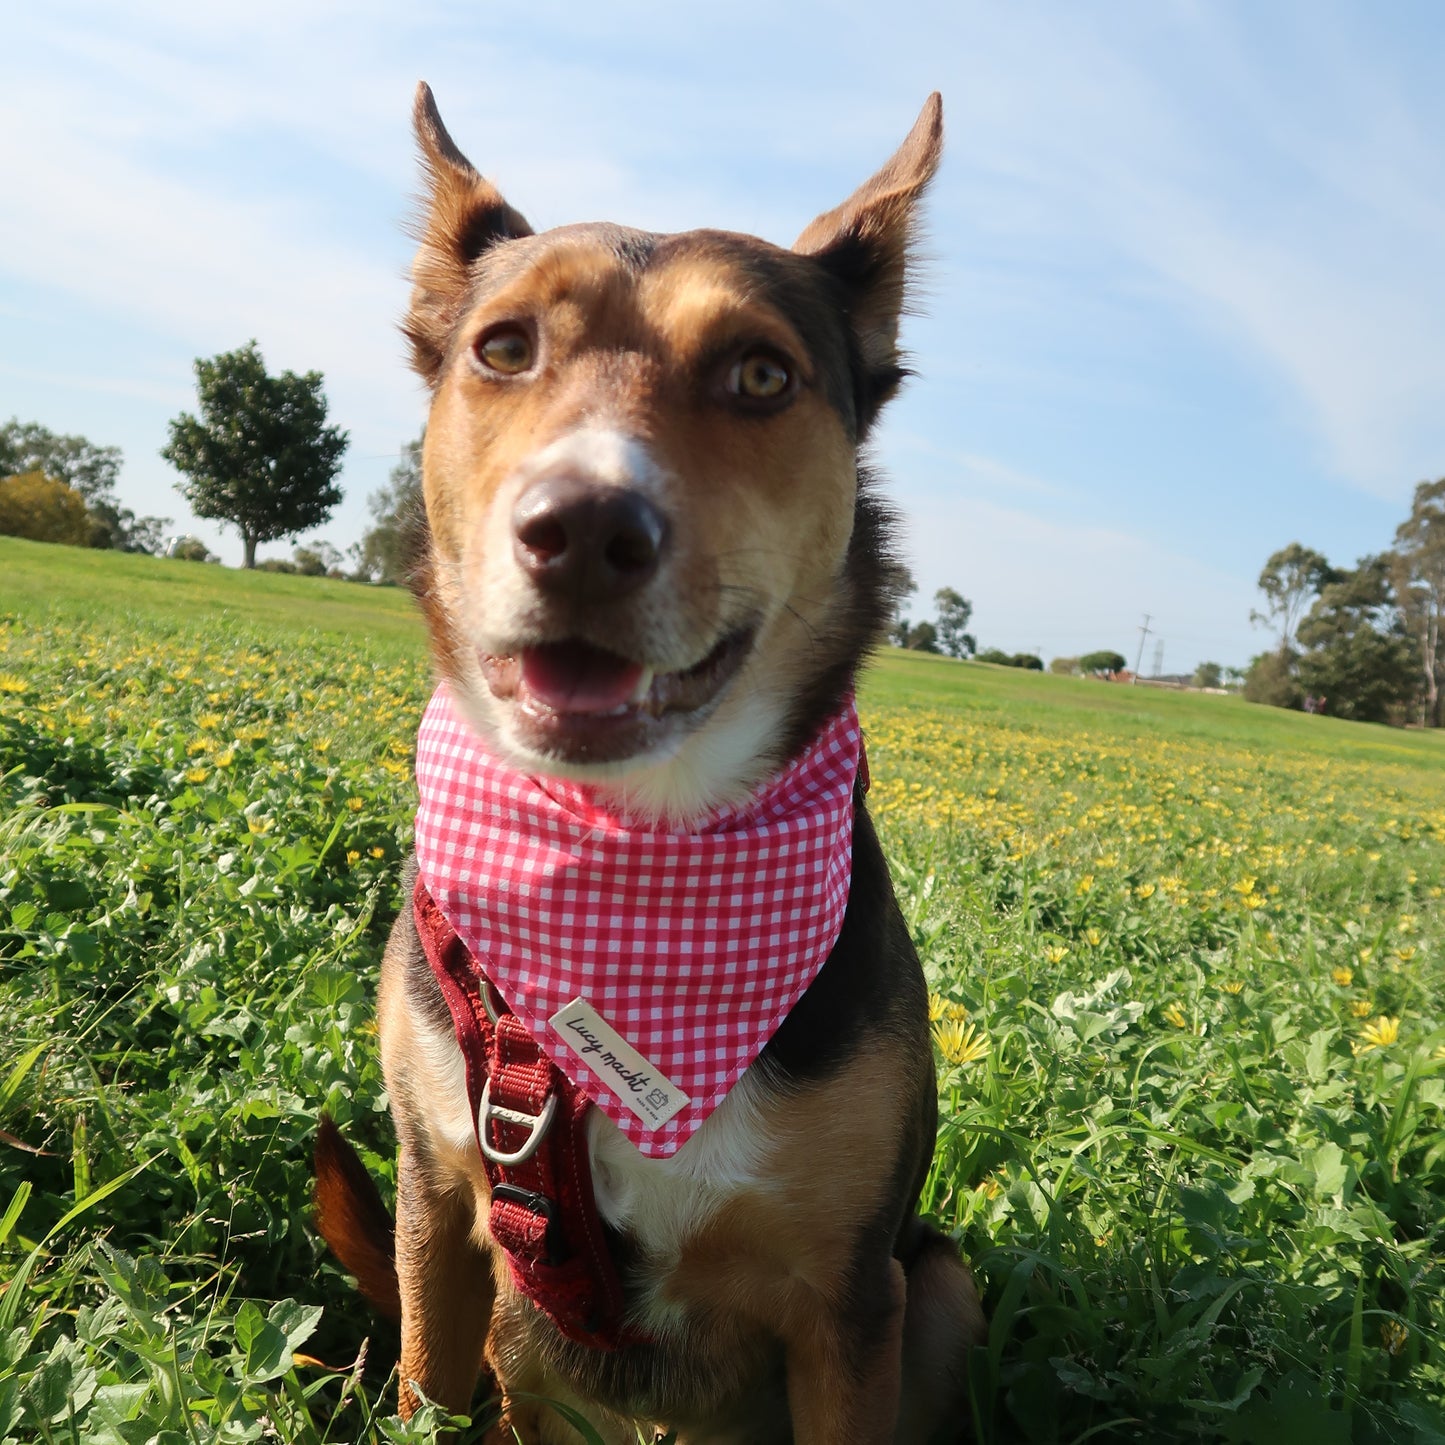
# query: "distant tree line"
1360,642
56,488
947,633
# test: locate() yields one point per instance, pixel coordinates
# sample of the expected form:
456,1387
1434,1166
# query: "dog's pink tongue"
577,677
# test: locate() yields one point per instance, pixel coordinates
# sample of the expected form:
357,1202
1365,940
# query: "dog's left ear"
866,243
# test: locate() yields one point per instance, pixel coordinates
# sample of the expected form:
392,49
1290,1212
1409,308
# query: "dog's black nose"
593,543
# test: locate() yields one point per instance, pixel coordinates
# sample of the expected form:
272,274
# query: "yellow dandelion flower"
378,852
1343,976
935,1007
200,745
1407,923
953,1010
1056,953
1361,1008
225,759
1175,1015
1366,954
1144,890
9,682
322,745
1233,986
352,856
1094,937
209,721
197,775
1378,1035
1245,886
355,804
1084,884
959,1042
259,825
1406,952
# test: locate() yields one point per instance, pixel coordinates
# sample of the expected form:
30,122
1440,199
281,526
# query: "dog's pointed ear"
867,242
462,216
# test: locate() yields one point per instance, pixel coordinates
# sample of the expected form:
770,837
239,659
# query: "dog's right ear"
463,215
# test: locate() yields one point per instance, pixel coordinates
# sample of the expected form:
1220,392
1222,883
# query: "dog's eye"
759,376
507,350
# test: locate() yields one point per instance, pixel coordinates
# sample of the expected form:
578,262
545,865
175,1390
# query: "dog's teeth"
644,685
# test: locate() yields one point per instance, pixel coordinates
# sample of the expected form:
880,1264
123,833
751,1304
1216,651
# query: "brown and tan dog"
642,478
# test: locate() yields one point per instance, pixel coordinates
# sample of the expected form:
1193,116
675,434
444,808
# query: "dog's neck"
716,770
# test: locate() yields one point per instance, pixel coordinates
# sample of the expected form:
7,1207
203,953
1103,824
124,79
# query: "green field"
1186,957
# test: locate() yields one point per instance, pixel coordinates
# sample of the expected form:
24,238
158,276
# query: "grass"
1186,960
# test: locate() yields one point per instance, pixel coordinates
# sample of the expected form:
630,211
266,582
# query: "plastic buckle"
537,1123
539,1205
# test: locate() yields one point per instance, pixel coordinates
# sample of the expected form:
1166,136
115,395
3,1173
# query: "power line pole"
1143,633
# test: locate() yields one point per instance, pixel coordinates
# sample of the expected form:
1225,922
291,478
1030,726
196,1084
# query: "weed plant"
1188,997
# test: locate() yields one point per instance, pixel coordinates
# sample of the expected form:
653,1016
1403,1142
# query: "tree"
903,590
261,455
922,637
389,548
1270,680
1417,571
1064,666
1356,653
90,470
1098,664
44,509
1290,578
190,549
1208,674
317,558
954,610
29,447
1029,661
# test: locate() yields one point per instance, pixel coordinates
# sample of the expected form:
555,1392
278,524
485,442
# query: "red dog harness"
534,1149
586,959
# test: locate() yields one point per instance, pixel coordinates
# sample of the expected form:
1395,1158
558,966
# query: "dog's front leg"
447,1290
844,1373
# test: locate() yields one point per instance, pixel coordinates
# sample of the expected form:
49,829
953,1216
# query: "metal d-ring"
491,1000
537,1123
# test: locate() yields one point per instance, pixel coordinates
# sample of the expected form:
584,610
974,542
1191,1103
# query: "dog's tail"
353,1221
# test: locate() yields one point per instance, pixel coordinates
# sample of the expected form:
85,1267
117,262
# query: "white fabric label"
650,1095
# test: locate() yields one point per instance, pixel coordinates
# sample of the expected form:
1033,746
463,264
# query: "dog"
653,564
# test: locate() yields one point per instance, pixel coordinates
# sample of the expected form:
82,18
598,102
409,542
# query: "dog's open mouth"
591,705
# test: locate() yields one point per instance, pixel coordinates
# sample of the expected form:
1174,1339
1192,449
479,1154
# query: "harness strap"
530,1122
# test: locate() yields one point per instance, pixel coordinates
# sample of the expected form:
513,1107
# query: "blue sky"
1185,303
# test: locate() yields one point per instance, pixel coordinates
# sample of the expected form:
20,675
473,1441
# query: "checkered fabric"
692,946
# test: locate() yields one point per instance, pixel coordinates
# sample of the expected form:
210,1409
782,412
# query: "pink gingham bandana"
692,946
